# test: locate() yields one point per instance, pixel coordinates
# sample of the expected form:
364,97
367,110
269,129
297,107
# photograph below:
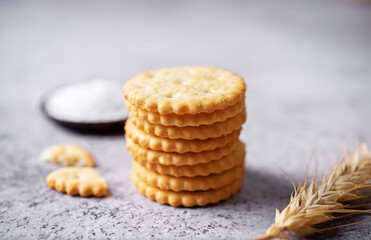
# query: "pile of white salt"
94,101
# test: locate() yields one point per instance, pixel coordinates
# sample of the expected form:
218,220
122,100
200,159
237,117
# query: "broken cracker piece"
83,181
69,154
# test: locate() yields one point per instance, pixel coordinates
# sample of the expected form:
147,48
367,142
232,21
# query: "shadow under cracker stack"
183,131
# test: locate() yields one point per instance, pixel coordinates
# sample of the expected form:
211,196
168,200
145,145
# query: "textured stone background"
307,65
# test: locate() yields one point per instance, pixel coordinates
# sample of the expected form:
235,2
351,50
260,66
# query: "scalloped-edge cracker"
185,198
187,120
185,90
83,181
203,169
189,133
177,184
68,154
176,145
177,159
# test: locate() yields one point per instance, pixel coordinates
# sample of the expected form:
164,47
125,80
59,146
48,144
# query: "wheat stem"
344,225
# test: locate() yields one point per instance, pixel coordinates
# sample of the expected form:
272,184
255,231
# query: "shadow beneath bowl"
94,129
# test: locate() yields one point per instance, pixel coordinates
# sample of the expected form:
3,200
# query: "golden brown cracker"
83,181
177,184
189,133
187,119
177,159
202,169
185,90
185,198
68,154
176,145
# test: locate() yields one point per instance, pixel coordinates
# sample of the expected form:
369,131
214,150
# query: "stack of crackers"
183,134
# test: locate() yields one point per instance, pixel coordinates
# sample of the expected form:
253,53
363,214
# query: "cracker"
164,158
177,184
189,133
83,181
184,90
203,169
176,145
69,154
184,198
187,119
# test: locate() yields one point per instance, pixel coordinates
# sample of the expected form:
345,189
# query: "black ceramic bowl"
115,126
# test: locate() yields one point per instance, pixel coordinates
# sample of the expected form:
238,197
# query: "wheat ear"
314,204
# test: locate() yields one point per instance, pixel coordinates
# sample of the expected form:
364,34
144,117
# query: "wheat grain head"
314,204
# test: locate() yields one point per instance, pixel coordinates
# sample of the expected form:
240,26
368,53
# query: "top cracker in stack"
183,134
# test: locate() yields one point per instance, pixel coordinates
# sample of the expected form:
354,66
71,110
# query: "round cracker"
177,184
176,145
185,90
203,169
184,198
187,119
189,133
177,159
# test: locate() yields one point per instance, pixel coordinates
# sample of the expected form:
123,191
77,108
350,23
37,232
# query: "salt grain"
95,101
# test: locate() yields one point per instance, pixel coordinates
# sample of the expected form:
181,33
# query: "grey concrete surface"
307,65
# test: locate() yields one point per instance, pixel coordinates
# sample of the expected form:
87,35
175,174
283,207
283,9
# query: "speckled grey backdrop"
307,65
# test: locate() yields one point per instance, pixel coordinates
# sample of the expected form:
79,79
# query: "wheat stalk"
314,204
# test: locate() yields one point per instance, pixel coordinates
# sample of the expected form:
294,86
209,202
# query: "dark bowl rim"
76,124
